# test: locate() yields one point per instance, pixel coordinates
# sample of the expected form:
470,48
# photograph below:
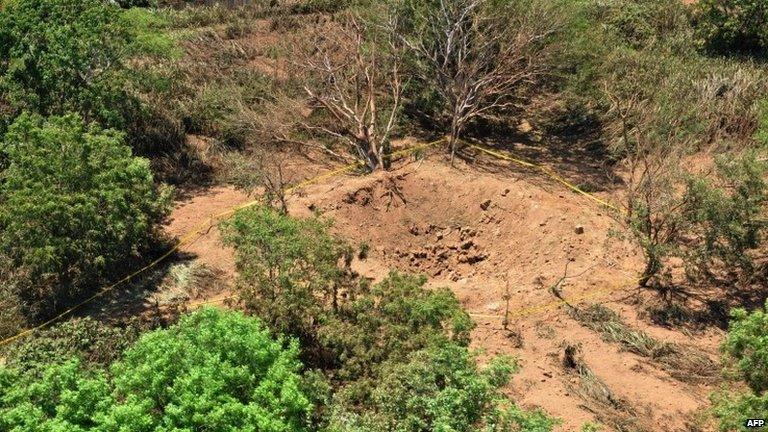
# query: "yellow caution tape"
549,173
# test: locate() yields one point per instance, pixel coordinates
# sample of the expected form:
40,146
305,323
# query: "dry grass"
681,362
186,281
608,408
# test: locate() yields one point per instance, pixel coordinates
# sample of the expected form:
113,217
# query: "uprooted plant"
681,362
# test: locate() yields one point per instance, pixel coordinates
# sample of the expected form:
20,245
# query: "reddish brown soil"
477,232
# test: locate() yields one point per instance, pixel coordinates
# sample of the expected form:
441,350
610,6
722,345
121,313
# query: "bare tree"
263,171
479,56
651,142
356,78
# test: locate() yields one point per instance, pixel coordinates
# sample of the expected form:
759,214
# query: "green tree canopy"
213,371
746,352
63,55
75,205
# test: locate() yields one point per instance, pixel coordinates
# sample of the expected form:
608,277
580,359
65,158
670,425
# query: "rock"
467,244
505,192
473,258
414,230
525,126
485,204
579,229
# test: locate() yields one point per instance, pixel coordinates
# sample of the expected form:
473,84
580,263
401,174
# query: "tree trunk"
452,146
651,268
455,133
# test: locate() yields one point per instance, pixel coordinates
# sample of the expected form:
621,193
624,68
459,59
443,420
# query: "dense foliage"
74,203
440,388
213,371
746,350
63,55
288,267
735,26
95,344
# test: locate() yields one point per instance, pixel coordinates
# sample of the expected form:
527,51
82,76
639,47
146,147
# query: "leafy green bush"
733,26
288,267
746,351
440,389
75,206
747,346
385,323
63,55
726,220
94,343
213,371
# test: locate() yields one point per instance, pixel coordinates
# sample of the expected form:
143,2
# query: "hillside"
355,216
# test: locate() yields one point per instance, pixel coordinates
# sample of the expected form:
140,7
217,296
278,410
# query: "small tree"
74,205
355,76
290,269
652,123
478,54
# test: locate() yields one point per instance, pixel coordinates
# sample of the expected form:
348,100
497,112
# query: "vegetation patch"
683,363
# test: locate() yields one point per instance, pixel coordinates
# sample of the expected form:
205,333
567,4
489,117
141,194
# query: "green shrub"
385,323
746,353
747,345
213,371
288,268
63,55
93,343
440,389
75,206
726,220
733,26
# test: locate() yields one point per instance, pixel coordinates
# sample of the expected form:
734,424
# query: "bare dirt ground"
482,229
